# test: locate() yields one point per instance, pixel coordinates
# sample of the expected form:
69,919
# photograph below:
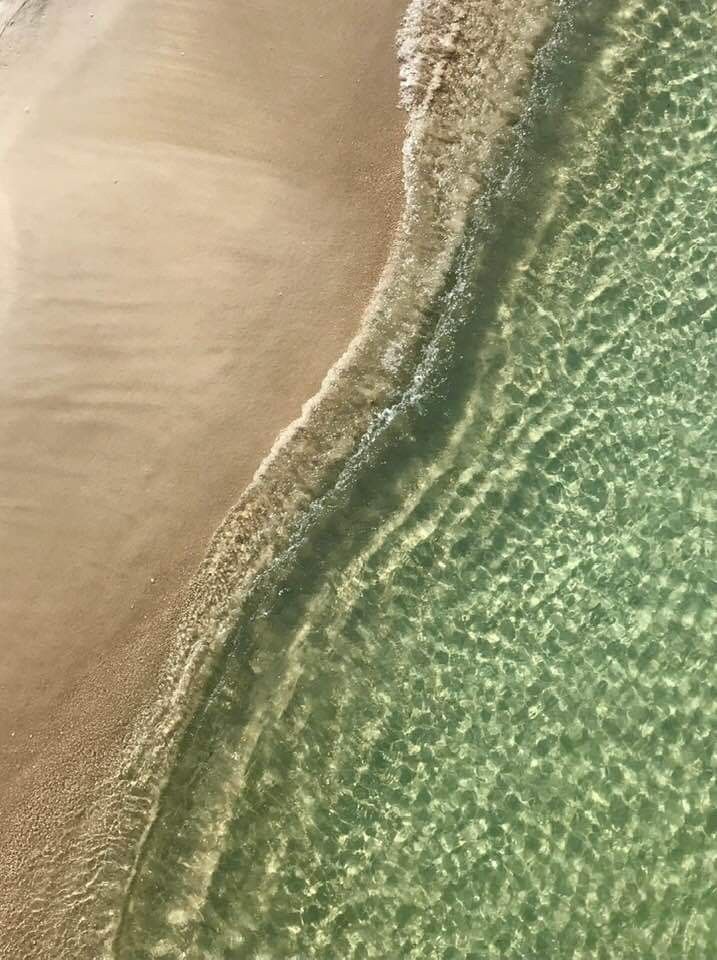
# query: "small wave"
461,648
464,69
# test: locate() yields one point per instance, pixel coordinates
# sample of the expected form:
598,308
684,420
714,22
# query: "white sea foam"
463,71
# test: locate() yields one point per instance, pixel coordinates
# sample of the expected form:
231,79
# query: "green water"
477,717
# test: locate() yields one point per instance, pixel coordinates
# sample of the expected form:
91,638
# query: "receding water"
477,717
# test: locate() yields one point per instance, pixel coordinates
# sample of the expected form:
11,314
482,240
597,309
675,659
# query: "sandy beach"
196,202
356,451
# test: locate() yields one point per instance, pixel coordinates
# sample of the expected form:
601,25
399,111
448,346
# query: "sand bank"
196,201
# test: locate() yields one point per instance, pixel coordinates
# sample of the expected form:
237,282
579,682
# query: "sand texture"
196,201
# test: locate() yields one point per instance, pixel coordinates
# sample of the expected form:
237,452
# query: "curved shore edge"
464,68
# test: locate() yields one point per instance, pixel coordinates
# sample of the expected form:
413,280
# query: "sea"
472,714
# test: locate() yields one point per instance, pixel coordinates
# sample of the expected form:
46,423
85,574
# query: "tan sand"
196,200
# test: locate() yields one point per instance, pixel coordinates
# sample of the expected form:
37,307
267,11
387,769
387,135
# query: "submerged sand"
196,201
174,173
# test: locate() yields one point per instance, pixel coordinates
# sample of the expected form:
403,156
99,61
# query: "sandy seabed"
197,202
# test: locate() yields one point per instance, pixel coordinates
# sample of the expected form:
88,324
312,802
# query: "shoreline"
275,188
448,155
481,57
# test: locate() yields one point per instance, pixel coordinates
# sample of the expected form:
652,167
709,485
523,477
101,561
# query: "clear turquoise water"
475,715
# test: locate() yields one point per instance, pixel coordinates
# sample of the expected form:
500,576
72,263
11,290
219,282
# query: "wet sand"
196,201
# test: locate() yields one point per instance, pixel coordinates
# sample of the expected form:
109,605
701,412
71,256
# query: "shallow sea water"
476,716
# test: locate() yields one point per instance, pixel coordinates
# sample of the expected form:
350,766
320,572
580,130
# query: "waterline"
477,718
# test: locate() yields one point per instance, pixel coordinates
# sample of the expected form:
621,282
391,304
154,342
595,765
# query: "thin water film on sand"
479,718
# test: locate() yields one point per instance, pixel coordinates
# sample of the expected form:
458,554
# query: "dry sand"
196,200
